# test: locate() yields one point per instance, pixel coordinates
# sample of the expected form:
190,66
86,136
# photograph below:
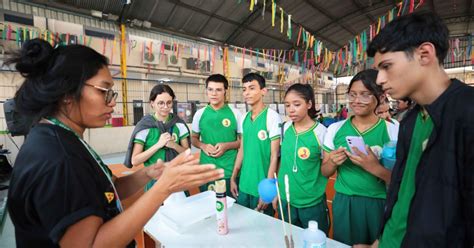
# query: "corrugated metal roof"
228,21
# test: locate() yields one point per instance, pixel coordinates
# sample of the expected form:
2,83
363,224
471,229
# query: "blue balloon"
267,190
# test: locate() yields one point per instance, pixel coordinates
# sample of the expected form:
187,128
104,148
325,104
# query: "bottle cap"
220,186
313,225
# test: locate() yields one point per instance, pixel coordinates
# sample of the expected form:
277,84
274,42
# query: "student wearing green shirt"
301,152
257,157
430,202
361,179
216,129
159,140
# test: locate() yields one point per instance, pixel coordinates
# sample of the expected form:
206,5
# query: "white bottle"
313,237
221,208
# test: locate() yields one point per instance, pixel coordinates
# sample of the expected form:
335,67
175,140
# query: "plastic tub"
191,210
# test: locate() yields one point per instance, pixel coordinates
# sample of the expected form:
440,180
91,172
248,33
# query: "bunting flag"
4,32
469,53
104,45
273,13
288,31
299,36
412,6
213,61
282,20
400,7
252,3
378,25
89,42
307,40
263,9
419,4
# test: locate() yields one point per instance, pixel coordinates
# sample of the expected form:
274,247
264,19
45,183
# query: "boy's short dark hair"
408,32
254,76
218,78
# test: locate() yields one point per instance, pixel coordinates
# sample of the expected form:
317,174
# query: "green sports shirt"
351,178
149,137
301,161
257,136
218,126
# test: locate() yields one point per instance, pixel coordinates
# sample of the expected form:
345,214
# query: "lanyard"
96,157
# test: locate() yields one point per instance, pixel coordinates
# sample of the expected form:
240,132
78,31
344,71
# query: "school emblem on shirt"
303,153
226,122
175,136
109,196
262,135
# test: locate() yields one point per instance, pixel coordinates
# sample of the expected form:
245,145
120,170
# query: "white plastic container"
313,237
181,216
175,198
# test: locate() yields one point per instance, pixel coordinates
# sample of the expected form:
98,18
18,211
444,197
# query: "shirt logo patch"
262,135
226,122
175,136
303,153
424,144
109,196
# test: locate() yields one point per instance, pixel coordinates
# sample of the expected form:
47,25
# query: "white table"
247,228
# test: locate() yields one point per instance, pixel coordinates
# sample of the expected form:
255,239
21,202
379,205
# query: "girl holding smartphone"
361,179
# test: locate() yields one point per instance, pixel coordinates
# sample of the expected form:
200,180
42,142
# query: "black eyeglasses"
110,94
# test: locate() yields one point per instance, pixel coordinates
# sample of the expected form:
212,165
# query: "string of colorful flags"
311,54
315,55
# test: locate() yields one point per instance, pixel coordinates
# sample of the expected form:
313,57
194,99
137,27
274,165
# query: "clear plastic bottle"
313,237
221,207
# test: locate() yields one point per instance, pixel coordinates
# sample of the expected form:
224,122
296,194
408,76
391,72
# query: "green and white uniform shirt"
351,178
301,160
218,126
257,136
149,137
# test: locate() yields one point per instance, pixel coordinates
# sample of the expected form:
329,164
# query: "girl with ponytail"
301,145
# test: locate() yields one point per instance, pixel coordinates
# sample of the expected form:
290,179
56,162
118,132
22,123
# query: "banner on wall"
61,27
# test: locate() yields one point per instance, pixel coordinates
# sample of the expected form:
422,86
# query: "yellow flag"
281,20
252,3
273,13
378,26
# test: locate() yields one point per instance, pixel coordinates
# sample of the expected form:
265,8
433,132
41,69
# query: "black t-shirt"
55,183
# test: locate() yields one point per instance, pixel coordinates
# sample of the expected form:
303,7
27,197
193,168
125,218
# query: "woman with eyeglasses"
158,136
361,179
61,192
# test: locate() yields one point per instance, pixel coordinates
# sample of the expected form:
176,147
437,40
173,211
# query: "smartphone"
358,142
